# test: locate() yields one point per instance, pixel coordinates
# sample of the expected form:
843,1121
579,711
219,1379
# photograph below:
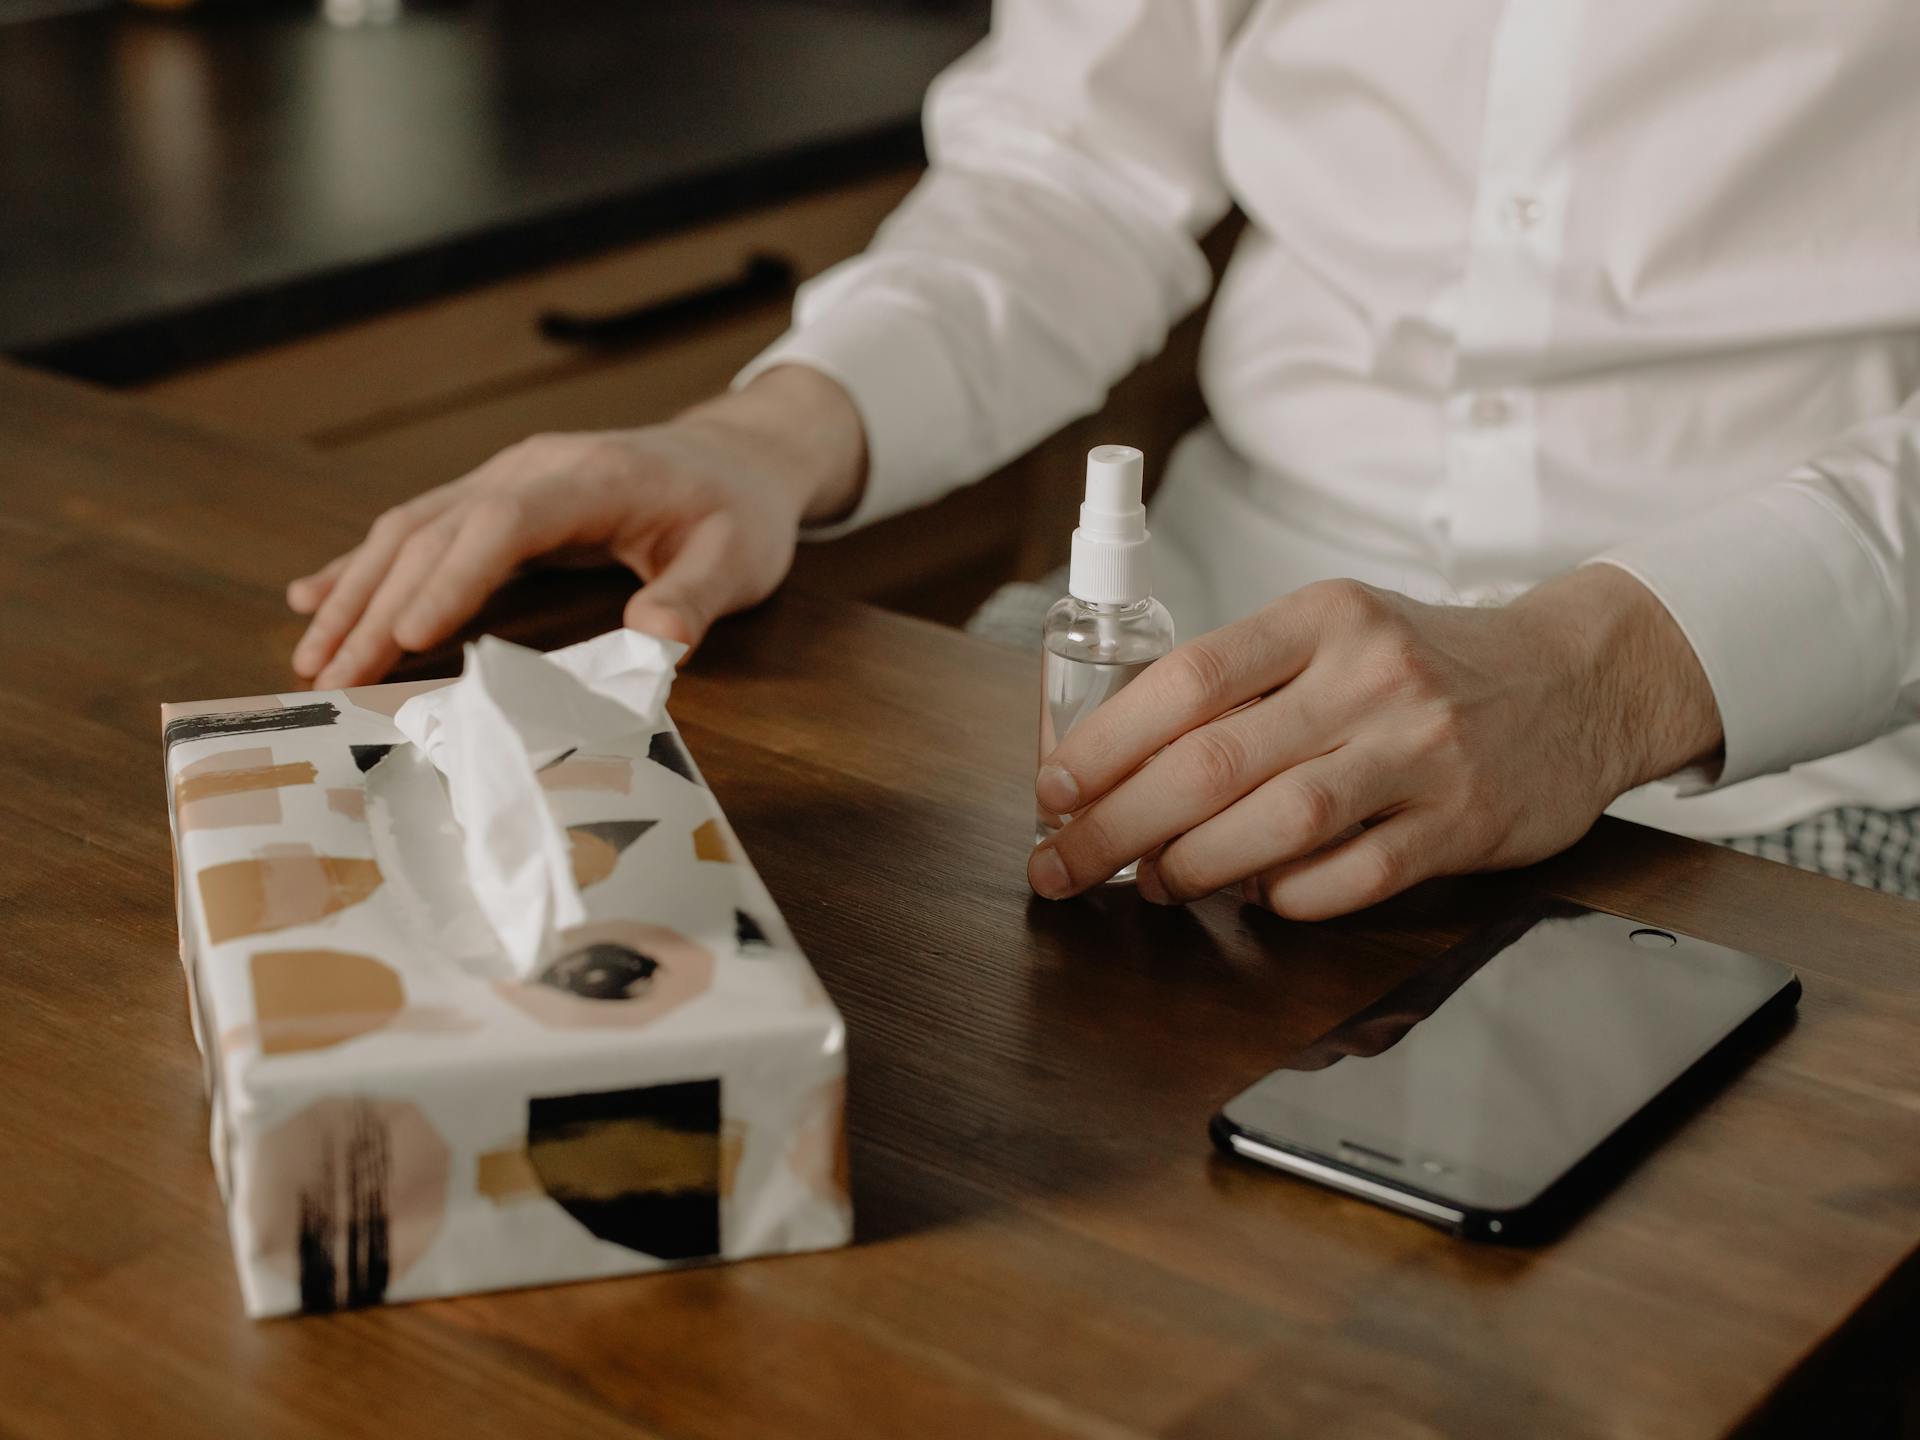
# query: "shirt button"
1523,212
1488,412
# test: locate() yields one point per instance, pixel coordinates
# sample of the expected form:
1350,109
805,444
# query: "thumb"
692,591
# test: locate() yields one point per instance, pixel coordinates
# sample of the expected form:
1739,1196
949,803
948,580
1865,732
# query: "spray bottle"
1108,627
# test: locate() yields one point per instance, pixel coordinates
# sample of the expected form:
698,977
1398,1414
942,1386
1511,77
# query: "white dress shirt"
1526,283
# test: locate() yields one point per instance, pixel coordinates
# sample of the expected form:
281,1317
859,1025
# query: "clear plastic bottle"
1108,628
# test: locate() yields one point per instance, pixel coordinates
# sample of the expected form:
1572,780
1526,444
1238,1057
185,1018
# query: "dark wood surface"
1047,1246
185,186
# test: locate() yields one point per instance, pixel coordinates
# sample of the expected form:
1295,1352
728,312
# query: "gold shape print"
281,886
710,844
309,999
639,1168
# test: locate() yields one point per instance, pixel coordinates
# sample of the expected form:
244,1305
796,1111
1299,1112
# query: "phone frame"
1524,1218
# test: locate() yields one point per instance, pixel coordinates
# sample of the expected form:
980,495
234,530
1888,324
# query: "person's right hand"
705,509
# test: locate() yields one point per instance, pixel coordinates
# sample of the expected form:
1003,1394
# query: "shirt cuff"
1796,626
889,358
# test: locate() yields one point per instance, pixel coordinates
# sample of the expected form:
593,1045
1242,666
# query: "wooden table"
1047,1245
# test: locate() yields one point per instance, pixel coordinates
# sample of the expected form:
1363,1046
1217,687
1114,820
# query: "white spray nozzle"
1110,547
1112,507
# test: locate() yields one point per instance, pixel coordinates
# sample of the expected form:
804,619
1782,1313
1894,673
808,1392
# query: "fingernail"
1152,888
1047,873
1056,790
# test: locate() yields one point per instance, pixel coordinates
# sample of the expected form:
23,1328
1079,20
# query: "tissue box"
398,1110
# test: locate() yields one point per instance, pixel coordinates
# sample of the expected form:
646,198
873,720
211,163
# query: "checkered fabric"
1876,848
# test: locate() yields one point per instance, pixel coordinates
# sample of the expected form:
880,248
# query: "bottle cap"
1110,547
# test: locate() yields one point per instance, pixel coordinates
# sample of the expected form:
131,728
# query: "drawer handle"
764,278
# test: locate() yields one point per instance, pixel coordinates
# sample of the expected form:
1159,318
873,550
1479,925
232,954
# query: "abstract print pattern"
182,728
283,885
617,973
349,1194
639,1168
381,1093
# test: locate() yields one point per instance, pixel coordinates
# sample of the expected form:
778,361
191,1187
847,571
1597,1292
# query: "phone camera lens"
1653,939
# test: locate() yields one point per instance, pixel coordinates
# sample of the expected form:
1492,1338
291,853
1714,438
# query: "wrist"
1649,708
808,424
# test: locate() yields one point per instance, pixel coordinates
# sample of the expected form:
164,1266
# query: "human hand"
1345,743
705,509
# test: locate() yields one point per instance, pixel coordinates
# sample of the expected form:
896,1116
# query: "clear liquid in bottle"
1091,653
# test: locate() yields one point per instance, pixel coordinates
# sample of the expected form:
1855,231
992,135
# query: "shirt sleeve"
1800,600
1049,248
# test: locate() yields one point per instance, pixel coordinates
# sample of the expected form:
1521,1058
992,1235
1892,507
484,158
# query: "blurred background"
408,234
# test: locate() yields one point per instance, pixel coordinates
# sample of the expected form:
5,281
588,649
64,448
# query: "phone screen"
1486,1077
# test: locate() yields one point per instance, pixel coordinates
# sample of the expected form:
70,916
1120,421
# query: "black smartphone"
1488,1093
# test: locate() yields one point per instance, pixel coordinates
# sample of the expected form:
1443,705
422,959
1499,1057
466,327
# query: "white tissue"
512,711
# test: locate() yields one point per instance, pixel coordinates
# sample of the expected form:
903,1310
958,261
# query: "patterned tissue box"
397,1113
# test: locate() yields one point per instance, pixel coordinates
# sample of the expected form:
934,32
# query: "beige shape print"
611,773
596,847
818,1151
309,999
195,784
593,858
181,709
234,787
387,699
507,1175
283,885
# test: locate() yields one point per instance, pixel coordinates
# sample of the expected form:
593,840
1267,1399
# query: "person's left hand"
1345,743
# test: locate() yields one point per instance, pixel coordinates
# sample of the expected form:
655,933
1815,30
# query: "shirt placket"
1487,508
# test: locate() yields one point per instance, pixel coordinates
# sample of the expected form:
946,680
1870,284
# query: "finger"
495,533
696,587
370,650
366,567
1379,862
1201,774
1299,811
305,594
1195,683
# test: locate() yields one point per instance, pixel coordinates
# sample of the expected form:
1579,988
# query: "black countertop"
177,188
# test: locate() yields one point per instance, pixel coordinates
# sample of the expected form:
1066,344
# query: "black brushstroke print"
670,1224
248,722
343,1265
316,1242
365,757
604,971
747,931
665,749
567,753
